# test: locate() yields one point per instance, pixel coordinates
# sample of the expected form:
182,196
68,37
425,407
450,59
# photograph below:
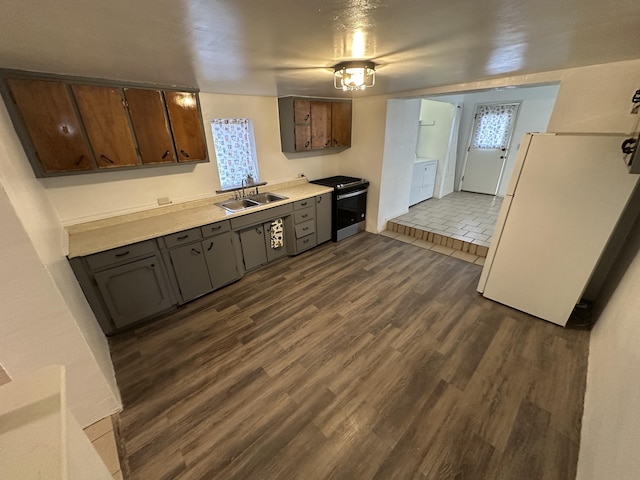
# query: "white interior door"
488,146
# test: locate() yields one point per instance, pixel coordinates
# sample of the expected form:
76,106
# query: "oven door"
351,208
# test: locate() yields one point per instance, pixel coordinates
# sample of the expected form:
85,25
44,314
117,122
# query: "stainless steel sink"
250,202
238,205
267,197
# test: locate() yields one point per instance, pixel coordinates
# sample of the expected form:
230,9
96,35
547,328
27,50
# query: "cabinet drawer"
305,243
183,237
118,255
300,204
304,215
215,228
305,228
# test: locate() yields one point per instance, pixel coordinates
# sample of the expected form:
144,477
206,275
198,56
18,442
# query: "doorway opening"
533,107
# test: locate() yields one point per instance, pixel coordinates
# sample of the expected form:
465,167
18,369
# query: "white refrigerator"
564,199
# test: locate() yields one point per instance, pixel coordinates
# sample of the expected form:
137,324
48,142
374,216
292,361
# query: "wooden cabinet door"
149,121
186,125
107,124
301,111
51,122
320,124
341,124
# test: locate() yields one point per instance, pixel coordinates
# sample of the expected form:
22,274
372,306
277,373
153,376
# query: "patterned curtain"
235,150
492,126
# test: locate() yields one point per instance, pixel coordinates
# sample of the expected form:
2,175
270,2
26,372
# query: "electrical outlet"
164,201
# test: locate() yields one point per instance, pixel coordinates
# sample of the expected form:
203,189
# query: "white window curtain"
235,150
493,126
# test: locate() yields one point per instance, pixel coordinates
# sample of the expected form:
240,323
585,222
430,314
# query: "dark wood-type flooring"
366,359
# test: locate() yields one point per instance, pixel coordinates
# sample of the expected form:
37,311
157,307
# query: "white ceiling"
285,47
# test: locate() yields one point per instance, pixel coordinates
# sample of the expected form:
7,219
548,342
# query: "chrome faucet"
243,185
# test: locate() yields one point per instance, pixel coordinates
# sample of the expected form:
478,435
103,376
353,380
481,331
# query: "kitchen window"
235,149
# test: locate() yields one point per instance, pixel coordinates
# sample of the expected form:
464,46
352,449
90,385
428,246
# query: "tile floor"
464,216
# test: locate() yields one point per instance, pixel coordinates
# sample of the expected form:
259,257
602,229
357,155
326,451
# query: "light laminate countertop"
101,235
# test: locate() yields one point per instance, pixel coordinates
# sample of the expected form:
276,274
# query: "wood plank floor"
364,359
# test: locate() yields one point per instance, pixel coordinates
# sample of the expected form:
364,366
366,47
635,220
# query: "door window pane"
235,150
492,126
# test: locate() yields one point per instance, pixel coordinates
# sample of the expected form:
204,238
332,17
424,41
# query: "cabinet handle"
327,143
184,153
123,254
305,215
306,117
182,237
304,229
306,144
210,247
165,154
79,161
217,227
303,204
107,159
258,231
319,199
306,240
196,252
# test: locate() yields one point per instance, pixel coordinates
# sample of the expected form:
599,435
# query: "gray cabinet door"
135,290
253,247
191,270
323,217
221,259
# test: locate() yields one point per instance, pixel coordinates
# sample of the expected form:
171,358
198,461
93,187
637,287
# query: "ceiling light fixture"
354,75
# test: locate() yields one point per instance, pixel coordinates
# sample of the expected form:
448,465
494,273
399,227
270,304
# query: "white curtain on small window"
493,123
235,150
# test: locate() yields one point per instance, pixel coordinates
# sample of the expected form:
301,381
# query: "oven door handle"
352,194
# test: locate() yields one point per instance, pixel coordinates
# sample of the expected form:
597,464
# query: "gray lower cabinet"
134,291
254,251
220,255
125,285
323,217
201,259
191,270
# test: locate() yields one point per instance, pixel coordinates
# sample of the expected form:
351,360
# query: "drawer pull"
217,227
195,252
210,247
304,204
306,240
182,237
304,229
123,254
305,215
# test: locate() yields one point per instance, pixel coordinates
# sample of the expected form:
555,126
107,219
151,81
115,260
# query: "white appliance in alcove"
565,197
423,180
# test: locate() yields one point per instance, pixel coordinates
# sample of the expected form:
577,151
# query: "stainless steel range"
349,205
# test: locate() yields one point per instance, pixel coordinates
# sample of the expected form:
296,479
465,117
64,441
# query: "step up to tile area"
439,240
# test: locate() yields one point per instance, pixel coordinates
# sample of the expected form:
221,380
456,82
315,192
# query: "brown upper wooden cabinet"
151,126
70,125
341,124
314,123
186,125
53,132
104,114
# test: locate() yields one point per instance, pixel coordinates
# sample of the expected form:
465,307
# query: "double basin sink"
252,201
